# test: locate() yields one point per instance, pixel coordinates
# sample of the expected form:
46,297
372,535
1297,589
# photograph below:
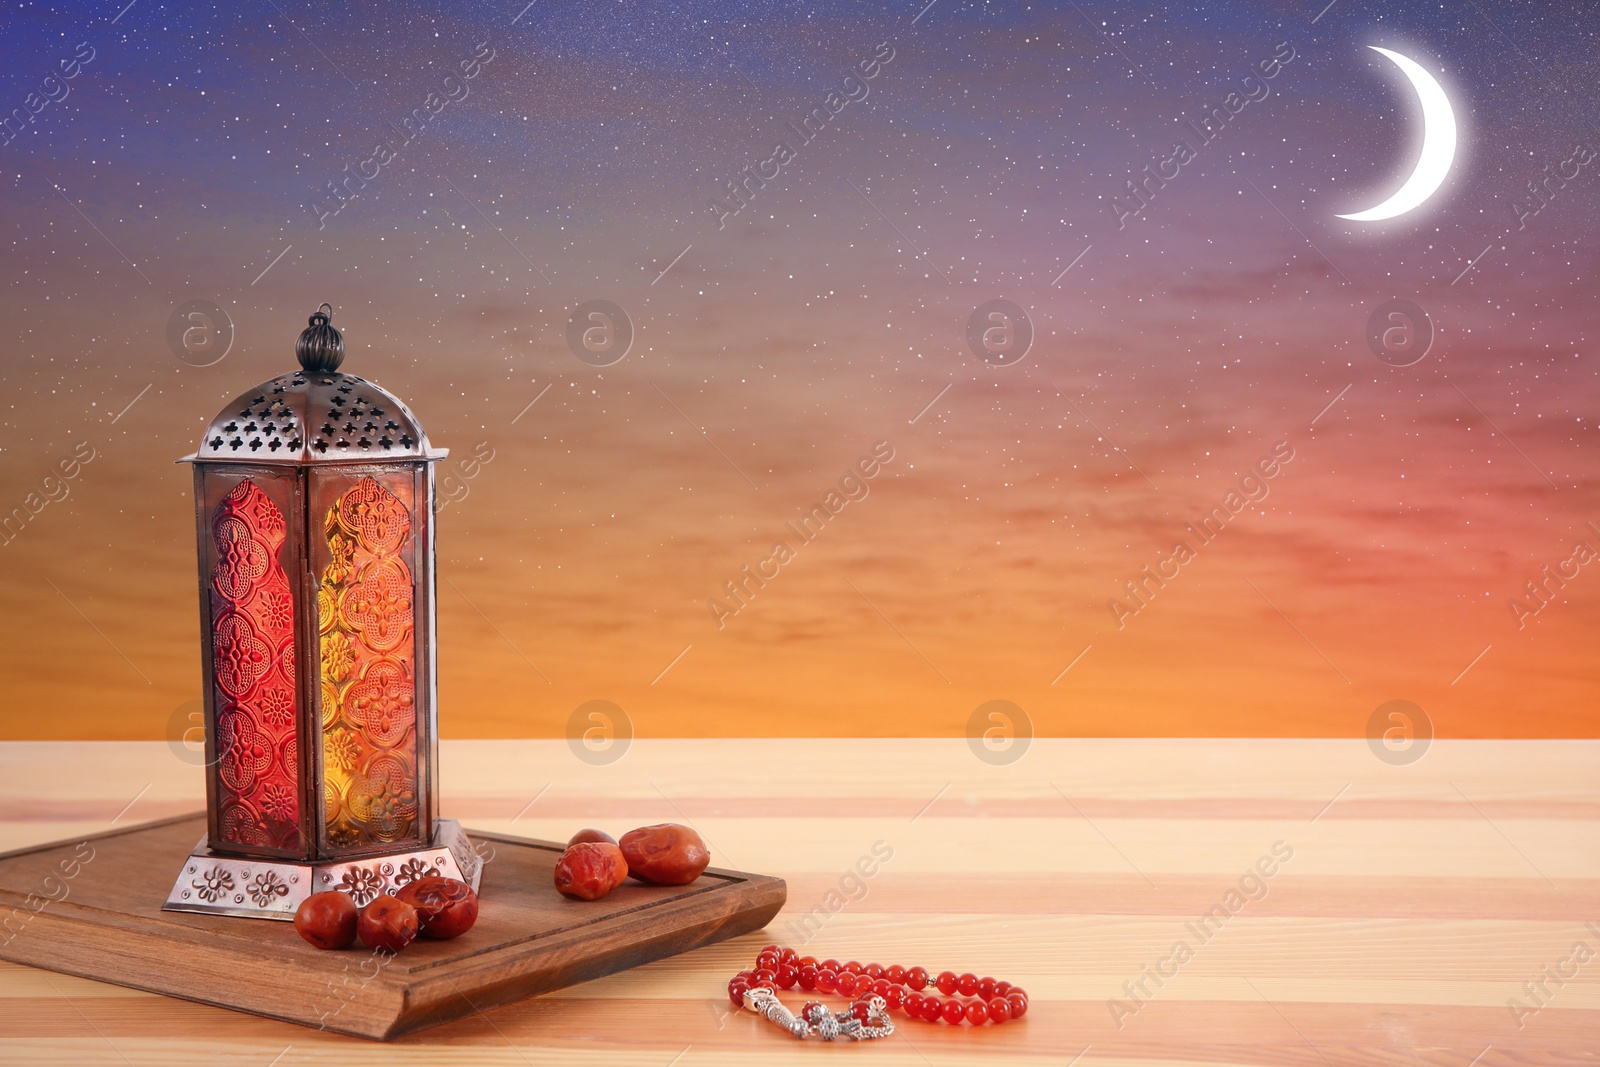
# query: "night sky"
502,164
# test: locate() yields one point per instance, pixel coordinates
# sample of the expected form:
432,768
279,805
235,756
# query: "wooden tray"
105,922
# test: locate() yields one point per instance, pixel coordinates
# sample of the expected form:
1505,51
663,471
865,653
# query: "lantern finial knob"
320,348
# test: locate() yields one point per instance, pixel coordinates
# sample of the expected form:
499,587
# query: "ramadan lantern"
314,505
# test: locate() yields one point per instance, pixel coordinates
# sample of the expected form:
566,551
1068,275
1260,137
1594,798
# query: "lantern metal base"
212,883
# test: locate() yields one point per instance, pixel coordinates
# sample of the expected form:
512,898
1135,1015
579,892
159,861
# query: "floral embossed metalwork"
382,703
278,800
413,869
367,644
337,658
243,753
362,884
374,516
241,558
214,884
240,657
378,604
267,888
384,800
341,750
277,707
252,661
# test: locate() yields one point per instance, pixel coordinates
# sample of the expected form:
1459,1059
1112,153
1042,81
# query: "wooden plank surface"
97,913
1418,901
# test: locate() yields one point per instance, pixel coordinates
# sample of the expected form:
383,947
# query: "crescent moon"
1438,143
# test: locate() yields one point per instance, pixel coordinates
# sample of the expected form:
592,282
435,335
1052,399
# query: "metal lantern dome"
314,504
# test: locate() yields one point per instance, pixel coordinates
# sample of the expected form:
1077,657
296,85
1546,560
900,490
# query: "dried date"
327,920
387,923
664,854
446,907
589,870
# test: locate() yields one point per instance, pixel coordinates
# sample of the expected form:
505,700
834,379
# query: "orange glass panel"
367,634
252,661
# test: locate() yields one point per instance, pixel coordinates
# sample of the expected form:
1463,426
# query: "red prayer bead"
993,1001
805,1009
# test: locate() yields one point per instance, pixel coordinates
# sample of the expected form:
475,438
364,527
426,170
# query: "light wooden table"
1418,900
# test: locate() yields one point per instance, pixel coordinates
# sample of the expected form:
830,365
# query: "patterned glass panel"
252,662
368,646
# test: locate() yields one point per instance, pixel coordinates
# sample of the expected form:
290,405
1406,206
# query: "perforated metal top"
314,417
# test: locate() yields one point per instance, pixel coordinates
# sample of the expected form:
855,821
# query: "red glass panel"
252,658
366,619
